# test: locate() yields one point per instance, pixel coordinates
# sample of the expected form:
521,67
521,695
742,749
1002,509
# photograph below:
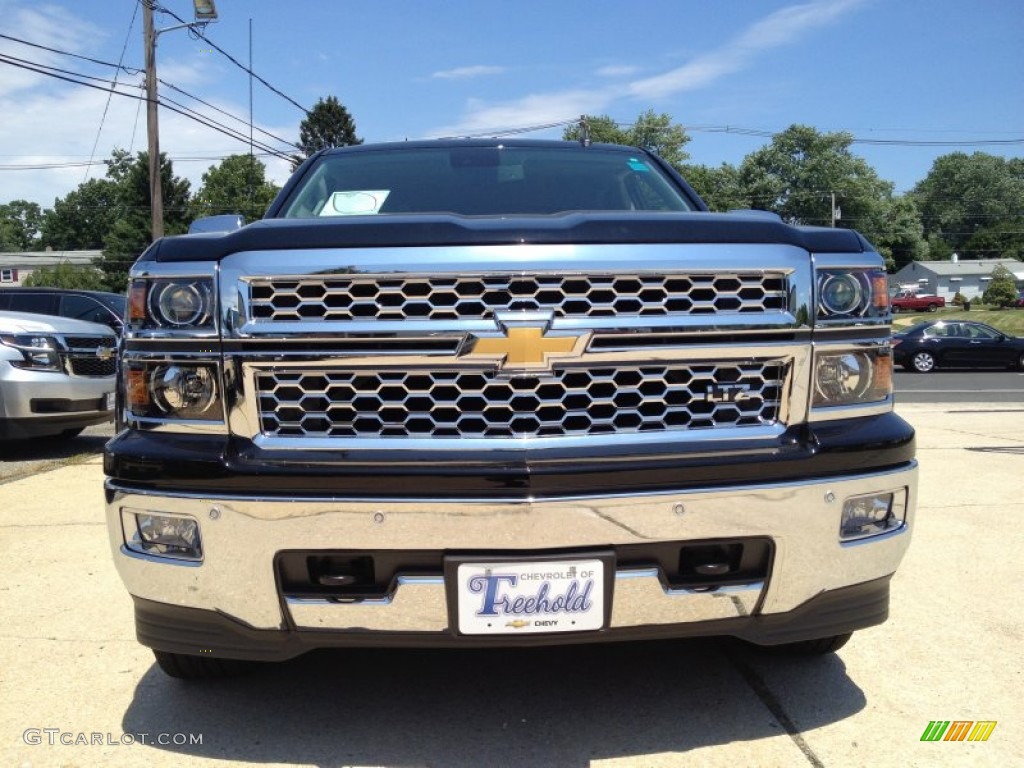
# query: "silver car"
57,375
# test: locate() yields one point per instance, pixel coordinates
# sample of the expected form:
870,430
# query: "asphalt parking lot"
24,458
78,691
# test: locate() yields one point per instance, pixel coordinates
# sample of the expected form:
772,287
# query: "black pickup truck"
474,393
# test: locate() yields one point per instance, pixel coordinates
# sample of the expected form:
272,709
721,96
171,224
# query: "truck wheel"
817,647
933,307
895,310
1020,362
923,362
185,667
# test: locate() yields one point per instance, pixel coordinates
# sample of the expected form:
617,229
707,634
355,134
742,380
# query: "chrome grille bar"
468,297
608,399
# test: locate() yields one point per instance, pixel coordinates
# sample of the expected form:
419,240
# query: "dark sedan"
956,344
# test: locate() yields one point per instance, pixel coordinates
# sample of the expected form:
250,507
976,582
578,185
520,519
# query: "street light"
205,12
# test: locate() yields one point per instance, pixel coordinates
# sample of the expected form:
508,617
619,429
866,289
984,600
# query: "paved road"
69,661
973,387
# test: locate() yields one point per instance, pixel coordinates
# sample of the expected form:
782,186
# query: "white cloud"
45,26
47,121
783,27
780,28
536,109
465,73
617,71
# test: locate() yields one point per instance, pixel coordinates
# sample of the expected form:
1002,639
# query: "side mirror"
222,224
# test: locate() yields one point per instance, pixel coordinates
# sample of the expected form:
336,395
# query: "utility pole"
205,12
156,191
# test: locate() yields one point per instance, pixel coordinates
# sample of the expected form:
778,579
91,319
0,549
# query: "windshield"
483,181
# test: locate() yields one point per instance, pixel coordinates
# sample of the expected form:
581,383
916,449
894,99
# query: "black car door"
986,347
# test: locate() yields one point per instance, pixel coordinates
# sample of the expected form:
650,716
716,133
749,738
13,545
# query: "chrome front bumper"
242,536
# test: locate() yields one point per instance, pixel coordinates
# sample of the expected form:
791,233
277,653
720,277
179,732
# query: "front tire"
923,362
895,310
185,667
933,307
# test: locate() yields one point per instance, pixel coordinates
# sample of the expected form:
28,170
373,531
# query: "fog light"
161,535
871,515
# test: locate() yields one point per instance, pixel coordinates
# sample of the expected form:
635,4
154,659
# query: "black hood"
451,230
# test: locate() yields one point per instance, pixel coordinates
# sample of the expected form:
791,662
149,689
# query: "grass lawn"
1009,321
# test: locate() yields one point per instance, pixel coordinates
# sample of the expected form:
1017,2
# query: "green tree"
67,275
719,187
237,185
798,172
651,131
81,220
974,203
1002,289
131,232
328,124
1000,240
897,233
19,226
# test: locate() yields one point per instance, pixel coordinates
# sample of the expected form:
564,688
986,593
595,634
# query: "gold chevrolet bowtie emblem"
517,624
528,347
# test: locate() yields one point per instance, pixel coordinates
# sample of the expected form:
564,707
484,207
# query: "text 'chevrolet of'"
480,392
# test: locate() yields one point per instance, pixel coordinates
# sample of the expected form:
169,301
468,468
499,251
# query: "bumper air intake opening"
720,563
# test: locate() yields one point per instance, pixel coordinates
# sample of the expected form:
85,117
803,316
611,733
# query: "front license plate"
522,597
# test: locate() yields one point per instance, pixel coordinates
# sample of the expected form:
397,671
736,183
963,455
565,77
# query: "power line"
127,70
225,113
110,96
120,67
16,60
172,106
198,33
763,134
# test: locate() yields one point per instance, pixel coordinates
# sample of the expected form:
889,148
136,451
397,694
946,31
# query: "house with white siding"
945,278
16,266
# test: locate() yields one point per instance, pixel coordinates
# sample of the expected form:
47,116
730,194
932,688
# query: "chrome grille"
340,298
456,403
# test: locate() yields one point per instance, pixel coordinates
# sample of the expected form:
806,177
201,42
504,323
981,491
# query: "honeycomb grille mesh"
463,298
84,359
473,404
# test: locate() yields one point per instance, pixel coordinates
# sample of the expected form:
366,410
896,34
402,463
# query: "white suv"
57,375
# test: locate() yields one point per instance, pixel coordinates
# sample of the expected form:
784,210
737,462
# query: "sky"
911,80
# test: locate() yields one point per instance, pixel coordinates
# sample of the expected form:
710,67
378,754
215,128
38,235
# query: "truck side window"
39,303
84,308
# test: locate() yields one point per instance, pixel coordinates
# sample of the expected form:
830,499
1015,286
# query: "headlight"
852,377
841,294
186,391
39,353
852,294
184,304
